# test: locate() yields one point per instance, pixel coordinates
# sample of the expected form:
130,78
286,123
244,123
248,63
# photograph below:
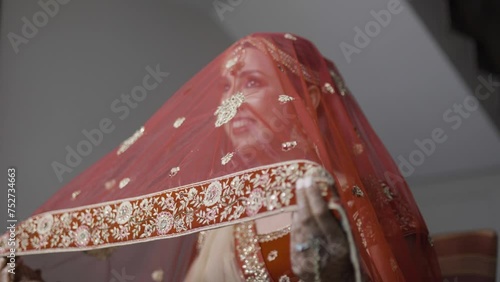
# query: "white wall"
66,77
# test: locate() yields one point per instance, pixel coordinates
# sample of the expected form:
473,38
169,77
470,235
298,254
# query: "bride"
267,159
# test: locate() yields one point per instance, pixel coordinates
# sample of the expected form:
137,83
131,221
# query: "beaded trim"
268,237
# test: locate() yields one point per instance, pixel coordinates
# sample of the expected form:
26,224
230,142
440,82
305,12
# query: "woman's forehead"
248,59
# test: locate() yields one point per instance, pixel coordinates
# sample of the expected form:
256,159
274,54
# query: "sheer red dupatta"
397,212
227,148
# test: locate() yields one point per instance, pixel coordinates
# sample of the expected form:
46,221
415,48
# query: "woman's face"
254,76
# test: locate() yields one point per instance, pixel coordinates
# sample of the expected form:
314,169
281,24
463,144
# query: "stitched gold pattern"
178,122
174,171
272,255
249,253
274,235
285,98
123,183
387,192
130,141
287,146
284,59
227,158
228,108
356,191
75,194
289,36
179,210
339,82
328,88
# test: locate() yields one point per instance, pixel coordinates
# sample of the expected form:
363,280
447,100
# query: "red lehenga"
225,150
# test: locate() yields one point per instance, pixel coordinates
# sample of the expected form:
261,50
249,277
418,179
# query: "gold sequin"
110,184
287,146
178,122
157,275
285,98
356,191
339,82
75,194
228,108
227,158
174,171
289,36
130,141
123,183
358,149
272,255
328,88
387,192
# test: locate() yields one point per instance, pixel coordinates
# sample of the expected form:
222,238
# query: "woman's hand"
5,276
319,247
23,273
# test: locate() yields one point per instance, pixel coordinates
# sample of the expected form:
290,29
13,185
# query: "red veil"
227,148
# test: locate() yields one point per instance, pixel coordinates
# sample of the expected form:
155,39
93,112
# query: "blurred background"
415,68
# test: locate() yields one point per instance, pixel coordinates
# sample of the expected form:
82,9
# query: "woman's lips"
241,125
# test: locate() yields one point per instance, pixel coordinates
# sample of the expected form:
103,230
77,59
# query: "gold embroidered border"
249,254
174,212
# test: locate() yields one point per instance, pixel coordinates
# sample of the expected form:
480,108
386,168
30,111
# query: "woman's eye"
252,83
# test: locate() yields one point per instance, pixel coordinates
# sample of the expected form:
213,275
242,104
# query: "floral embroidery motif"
124,212
227,158
123,183
164,222
174,171
178,122
285,99
82,236
356,191
228,108
272,255
284,278
75,194
45,224
186,209
287,146
157,275
387,192
255,201
212,194
289,36
130,141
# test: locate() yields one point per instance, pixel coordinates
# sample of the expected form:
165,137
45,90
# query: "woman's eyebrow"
248,72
